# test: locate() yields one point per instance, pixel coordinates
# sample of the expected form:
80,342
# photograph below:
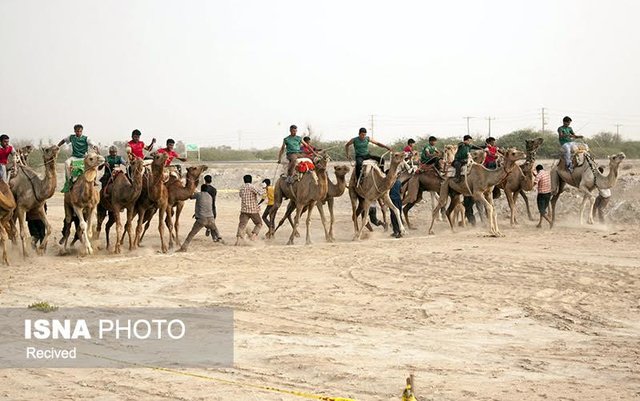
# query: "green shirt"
79,145
428,153
292,144
113,161
463,151
564,134
361,146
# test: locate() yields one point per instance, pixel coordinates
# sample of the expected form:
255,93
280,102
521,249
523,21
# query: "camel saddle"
578,151
304,164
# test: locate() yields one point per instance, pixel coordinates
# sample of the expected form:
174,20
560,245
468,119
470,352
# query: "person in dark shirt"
212,191
462,155
396,198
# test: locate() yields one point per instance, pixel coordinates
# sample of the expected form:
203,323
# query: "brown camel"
520,180
335,191
478,183
31,192
304,193
7,207
179,192
374,185
81,201
414,184
586,178
153,197
119,194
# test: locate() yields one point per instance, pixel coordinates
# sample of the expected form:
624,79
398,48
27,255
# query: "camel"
521,180
334,191
586,178
121,193
478,182
31,192
81,201
154,197
414,184
7,207
178,193
304,194
373,185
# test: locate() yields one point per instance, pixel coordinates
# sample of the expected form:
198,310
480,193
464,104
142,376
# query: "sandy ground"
538,314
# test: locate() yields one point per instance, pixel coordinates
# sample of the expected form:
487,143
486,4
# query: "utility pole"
618,129
468,118
489,119
372,115
543,120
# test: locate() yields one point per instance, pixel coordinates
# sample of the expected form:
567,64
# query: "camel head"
532,145
478,156
397,158
341,170
159,159
137,165
615,160
511,155
321,160
50,153
92,160
193,173
450,153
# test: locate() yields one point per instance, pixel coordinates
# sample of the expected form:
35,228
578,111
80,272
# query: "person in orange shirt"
269,197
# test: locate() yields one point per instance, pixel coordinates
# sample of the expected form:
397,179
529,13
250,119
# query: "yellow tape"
235,383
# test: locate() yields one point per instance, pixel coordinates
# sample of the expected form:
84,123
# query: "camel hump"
370,162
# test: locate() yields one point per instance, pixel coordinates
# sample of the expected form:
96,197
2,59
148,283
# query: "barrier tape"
231,382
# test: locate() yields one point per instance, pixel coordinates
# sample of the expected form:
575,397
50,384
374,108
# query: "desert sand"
538,314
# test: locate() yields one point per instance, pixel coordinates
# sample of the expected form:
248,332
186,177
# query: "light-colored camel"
7,207
154,197
121,193
179,192
586,178
520,180
374,185
478,183
304,194
335,191
81,201
31,192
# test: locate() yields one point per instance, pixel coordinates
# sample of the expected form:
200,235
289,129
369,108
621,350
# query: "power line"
468,118
489,120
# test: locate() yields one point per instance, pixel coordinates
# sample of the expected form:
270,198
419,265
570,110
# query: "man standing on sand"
204,218
292,145
543,183
249,209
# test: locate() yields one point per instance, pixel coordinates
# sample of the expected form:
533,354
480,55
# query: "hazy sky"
240,72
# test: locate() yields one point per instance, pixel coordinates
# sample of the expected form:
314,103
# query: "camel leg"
512,205
47,230
444,194
295,224
405,212
117,248
320,207
331,222
526,202
393,209
176,223
287,216
82,228
102,213
309,210
365,203
127,228
107,228
434,201
161,223
169,224
3,238
139,225
88,230
23,231
479,197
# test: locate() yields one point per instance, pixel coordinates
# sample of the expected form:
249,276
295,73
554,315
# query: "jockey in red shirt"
5,151
492,153
171,153
135,146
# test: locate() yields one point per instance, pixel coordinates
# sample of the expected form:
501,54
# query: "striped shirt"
249,198
543,179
